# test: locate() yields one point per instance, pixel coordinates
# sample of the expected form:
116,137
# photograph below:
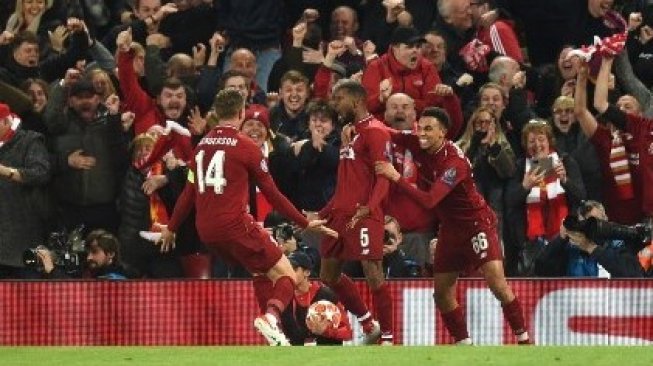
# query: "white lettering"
229,141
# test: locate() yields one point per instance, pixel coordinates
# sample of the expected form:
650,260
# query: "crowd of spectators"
101,104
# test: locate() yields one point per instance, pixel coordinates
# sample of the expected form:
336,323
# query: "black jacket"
102,138
22,205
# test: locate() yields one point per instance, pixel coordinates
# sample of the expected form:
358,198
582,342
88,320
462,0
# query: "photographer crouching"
102,252
596,241
396,264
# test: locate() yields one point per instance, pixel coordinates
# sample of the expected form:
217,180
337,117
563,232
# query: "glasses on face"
561,111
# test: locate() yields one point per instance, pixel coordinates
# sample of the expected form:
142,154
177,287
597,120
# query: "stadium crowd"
102,103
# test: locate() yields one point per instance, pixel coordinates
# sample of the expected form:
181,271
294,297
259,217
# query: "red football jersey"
357,183
642,130
445,182
225,161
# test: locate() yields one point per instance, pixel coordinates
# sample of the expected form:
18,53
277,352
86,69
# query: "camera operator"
102,259
396,264
308,292
610,245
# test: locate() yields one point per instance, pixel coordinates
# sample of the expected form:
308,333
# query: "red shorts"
253,248
362,242
466,245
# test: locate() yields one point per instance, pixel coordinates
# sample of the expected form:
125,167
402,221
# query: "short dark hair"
351,87
24,37
320,106
105,241
438,113
172,83
231,74
227,104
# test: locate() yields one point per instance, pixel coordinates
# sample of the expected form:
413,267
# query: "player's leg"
263,289
453,316
382,298
282,277
331,274
512,310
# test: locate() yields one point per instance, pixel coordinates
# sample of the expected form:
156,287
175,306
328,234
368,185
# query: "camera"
284,232
387,237
599,230
67,251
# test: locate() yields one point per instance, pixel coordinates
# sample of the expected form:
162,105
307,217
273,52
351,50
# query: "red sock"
284,290
383,307
456,323
514,315
263,289
349,296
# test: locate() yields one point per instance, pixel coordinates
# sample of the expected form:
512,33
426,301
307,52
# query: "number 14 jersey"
225,161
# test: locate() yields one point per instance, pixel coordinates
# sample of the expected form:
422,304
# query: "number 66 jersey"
224,163
468,226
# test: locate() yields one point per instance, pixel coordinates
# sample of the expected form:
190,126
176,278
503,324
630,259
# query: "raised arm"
601,92
587,121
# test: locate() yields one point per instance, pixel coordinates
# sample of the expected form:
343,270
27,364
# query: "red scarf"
15,122
158,211
620,168
546,206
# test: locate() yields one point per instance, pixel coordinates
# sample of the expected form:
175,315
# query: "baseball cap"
406,35
300,259
5,111
259,113
83,86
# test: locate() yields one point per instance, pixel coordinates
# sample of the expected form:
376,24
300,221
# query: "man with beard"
89,153
289,116
403,69
170,104
102,259
355,212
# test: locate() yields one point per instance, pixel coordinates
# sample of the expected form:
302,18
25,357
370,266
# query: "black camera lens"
31,258
387,237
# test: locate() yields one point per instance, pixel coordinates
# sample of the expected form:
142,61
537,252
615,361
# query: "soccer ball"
324,313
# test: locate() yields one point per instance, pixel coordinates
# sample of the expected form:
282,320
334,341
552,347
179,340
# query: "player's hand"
386,169
347,134
318,226
167,240
361,213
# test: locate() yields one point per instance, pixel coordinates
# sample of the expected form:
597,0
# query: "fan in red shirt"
225,161
355,213
468,236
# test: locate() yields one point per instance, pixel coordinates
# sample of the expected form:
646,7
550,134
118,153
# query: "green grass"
332,356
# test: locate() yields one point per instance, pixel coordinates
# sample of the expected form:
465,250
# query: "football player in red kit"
355,213
225,161
468,236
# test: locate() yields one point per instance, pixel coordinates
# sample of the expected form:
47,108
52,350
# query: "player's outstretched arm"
167,240
439,189
319,227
